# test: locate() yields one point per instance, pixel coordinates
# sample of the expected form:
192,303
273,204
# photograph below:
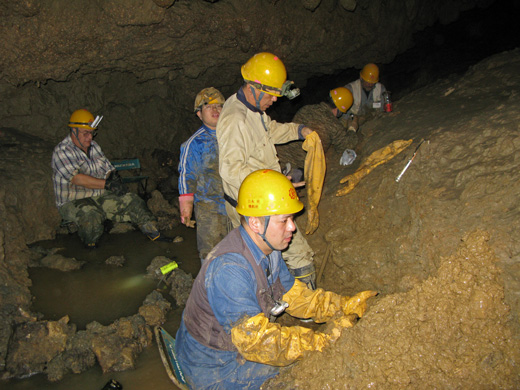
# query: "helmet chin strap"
267,219
75,131
257,101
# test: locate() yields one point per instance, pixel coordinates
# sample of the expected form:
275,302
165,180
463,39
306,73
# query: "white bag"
348,157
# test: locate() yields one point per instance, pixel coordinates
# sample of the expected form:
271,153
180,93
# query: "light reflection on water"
104,293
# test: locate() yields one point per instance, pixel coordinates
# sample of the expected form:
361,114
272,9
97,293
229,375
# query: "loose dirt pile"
451,331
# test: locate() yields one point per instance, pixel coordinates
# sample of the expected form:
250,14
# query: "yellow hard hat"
266,72
267,192
82,118
342,98
370,73
208,96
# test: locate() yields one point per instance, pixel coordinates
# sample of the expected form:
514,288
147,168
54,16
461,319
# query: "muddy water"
104,293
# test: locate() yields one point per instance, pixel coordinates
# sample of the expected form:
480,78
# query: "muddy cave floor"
440,246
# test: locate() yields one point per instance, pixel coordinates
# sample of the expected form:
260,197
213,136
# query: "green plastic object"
168,267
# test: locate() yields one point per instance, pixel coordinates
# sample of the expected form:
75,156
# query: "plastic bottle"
387,102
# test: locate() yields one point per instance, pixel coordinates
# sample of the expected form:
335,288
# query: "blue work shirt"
198,169
231,289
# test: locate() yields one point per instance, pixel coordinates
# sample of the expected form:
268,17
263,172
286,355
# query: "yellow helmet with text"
370,73
267,192
266,72
208,96
342,98
83,119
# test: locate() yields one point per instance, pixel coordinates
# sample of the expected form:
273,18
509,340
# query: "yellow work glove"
314,172
321,305
261,341
377,158
356,304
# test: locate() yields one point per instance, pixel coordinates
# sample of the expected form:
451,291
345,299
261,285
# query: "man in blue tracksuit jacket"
200,186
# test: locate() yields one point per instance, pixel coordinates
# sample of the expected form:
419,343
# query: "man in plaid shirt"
88,188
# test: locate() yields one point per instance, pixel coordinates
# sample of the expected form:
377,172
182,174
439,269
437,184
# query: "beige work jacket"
245,145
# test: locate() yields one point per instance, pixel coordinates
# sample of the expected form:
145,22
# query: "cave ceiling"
196,43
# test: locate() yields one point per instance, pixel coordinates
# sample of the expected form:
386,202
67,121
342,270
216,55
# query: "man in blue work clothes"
200,185
226,339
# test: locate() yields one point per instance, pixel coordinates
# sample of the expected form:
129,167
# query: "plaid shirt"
67,161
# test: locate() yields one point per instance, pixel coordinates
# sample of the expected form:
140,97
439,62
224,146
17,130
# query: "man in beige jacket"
247,137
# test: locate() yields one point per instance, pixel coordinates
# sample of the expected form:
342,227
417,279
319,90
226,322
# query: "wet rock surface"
177,280
167,215
118,345
154,309
60,262
117,261
34,344
181,283
55,348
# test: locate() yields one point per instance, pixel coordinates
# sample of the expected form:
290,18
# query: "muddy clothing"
363,102
90,214
211,227
245,144
320,118
67,161
246,139
198,176
235,281
89,208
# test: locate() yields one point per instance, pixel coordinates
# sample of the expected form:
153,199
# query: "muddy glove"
356,304
114,183
186,209
315,168
261,341
321,305
377,158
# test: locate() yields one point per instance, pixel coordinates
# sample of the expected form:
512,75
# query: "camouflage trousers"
212,227
90,214
299,254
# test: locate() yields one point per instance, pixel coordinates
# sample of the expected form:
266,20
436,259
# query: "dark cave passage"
438,51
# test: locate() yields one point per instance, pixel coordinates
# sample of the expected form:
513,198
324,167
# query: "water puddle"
103,293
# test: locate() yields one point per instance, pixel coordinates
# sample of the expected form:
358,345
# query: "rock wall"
200,40
141,62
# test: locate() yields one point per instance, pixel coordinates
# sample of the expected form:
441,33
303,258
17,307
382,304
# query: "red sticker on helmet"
292,193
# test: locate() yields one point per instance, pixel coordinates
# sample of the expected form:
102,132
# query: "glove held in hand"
114,183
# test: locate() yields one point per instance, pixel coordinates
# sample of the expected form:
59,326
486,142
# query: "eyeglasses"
216,107
86,133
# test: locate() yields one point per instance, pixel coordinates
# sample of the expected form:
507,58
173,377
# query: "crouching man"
227,339
89,190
